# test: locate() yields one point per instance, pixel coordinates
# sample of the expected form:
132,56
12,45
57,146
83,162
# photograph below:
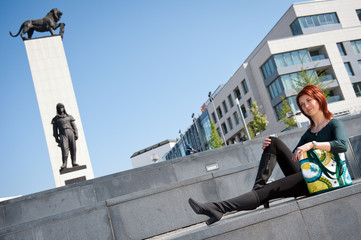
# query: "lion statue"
48,23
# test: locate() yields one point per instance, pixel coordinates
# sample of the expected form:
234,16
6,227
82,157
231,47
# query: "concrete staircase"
151,202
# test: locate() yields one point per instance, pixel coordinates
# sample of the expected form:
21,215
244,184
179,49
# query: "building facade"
321,37
152,154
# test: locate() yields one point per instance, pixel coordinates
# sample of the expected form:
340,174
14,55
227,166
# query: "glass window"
349,69
230,123
219,111
309,22
357,88
236,118
358,12
225,106
268,68
237,93
296,28
214,117
230,99
315,20
279,60
296,58
356,46
329,19
244,111
334,18
249,102
224,128
245,86
341,49
322,19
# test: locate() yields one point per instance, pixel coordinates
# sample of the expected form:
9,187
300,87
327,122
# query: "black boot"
265,169
215,211
209,209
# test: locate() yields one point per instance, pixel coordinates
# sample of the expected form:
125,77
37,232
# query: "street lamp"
211,98
242,117
199,140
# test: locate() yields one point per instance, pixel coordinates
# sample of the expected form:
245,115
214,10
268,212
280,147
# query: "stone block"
88,225
339,218
47,204
135,180
158,213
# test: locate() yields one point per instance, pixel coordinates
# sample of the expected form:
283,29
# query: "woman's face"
309,105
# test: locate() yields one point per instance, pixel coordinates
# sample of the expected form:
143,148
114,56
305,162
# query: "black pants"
292,185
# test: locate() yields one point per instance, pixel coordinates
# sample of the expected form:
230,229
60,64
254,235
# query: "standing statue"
48,23
65,134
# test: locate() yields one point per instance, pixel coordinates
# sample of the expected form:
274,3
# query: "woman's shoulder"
335,121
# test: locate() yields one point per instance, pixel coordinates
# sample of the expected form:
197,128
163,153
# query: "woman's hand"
266,142
300,150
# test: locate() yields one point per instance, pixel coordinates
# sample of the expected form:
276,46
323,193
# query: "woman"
324,133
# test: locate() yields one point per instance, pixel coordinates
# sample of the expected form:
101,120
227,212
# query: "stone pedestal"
52,82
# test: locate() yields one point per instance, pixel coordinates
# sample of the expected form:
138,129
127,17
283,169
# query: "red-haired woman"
324,132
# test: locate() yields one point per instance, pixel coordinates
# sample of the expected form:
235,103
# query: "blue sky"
140,68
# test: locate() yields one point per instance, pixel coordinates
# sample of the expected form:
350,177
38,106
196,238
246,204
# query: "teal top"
333,132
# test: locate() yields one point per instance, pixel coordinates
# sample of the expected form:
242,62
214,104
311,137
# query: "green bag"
324,171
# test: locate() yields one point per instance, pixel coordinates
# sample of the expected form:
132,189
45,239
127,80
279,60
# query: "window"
225,106
237,93
236,118
358,12
224,128
230,123
245,87
214,117
268,68
341,49
230,100
244,111
249,102
349,69
356,46
219,111
313,21
357,88
292,58
275,88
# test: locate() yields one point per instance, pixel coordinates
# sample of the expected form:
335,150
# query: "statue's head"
56,13
60,108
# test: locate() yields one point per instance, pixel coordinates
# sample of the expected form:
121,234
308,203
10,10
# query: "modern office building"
323,37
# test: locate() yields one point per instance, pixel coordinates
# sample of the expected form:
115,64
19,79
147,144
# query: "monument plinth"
53,85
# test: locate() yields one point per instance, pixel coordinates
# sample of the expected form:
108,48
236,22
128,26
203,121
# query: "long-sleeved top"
333,132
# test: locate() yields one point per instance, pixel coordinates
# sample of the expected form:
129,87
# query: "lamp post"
199,140
183,143
211,98
242,117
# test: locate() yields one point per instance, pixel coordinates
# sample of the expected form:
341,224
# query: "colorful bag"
324,171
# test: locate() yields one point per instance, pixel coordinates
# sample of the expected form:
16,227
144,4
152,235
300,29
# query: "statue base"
73,169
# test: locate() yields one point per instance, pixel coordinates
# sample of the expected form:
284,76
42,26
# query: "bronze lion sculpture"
48,23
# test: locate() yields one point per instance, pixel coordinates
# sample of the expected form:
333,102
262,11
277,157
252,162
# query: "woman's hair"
317,94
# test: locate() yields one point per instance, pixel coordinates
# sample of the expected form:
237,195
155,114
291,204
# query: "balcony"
318,57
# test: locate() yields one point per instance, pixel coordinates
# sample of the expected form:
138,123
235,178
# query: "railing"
318,57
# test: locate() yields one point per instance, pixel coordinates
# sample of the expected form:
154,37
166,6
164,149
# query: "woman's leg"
277,151
290,186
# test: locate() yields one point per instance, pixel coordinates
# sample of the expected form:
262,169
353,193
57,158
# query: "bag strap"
313,157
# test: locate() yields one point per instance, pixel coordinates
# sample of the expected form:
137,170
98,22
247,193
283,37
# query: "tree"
284,114
259,122
306,77
216,141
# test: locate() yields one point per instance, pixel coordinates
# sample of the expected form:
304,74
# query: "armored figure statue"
48,23
65,134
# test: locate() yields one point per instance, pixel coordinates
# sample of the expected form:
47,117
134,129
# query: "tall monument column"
53,85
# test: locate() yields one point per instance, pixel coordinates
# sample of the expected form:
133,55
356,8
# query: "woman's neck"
319,119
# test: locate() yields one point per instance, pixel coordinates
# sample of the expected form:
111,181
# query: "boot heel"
211,220
266,204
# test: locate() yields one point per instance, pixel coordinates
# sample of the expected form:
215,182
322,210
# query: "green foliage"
216,141
259,122
283,114
306,77
250,130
